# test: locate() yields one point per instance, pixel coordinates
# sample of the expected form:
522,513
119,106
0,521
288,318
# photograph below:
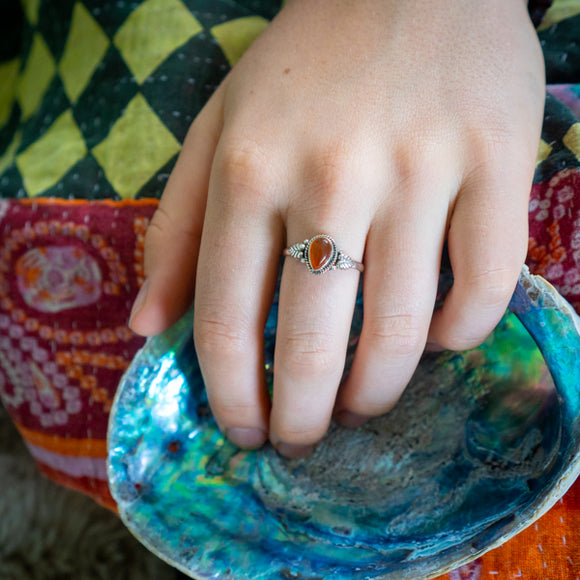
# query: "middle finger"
315,313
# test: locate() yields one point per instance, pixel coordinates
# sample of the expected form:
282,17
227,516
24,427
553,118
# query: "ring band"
321,254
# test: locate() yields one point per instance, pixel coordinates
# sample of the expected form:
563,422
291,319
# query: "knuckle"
159,227
246,167
215,336
232,410
331,171
492,287
399,335
492,140
329,175
309,353
163,225
301,433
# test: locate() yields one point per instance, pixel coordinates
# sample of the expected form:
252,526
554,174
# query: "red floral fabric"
69,272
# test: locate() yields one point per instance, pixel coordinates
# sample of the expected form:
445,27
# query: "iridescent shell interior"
481,444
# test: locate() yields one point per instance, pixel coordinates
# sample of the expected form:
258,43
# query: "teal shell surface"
481,444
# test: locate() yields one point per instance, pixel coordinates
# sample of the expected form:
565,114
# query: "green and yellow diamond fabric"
143,54
36,77
135,148
8,75
85,48
127,78
44,162
96,97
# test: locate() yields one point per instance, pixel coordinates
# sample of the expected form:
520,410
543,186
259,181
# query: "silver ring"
321,254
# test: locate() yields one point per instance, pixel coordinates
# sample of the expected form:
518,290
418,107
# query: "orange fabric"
83,202
549,549
64,445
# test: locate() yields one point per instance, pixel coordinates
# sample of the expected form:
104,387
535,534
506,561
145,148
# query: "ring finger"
403,255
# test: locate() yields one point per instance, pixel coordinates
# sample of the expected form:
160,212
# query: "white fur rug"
51,533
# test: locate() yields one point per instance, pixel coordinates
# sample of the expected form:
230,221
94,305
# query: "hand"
391,126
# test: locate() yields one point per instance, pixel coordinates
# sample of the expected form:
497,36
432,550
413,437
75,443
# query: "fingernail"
295,451
246,437
351,420
139,301
433,347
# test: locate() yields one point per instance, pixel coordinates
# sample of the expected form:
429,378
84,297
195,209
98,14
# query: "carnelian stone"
319,253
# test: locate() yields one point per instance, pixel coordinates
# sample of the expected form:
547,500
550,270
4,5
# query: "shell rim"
530,514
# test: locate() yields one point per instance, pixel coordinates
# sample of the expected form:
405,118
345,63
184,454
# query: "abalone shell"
481,444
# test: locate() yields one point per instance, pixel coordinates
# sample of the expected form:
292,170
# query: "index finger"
174,234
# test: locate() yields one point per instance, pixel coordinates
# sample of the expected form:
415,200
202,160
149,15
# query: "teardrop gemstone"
319,253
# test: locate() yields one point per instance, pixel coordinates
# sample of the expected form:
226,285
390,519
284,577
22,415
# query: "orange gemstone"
319,253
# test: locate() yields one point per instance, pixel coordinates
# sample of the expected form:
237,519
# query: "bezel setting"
337,260
329,263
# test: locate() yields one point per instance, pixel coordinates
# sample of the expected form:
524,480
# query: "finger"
487,247
173,236
400,281
314,317
236,279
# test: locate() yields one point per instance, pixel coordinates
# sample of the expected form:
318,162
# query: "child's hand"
391,126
